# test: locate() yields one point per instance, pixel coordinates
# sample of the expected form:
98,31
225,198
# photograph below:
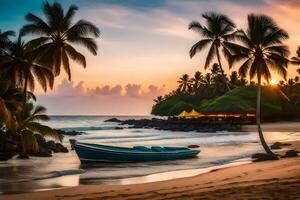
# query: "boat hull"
87,154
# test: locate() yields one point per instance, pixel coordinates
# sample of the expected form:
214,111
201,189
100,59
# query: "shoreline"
228,183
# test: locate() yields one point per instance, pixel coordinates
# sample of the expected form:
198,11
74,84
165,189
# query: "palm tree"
184,83
234,79
4,40
22,68
207,80
296,60
58,34
262,50
27,124
158,99
217,33
197,80
10,101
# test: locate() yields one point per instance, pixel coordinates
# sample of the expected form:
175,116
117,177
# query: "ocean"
218,149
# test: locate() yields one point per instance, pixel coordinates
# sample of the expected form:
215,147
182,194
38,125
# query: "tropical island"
205,106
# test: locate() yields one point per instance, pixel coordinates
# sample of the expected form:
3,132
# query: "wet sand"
264,180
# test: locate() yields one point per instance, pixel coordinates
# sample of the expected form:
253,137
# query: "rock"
118,128
290,153
10,147
50,145
113,120
40,140
59,148
263,157
3,158
23,156
69,133
278,145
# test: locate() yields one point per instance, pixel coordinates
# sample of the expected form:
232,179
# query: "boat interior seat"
176,148
142,148
157,148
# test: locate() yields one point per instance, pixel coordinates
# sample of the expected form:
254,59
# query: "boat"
103,153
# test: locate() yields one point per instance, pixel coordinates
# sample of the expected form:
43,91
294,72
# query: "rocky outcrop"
290,153
69,133
279,145
179,125
263,157
113,120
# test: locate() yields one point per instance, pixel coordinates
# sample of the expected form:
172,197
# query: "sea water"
64,169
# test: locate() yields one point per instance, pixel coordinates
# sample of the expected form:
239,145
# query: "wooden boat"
103,153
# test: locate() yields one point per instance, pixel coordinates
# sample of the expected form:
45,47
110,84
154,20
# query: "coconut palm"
217,34
158,99
4,40
207,80
27,124
296,60
58,34
197,80
22,68
10,101
184,83
234,79
262,51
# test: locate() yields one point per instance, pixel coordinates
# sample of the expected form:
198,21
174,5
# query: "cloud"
72,99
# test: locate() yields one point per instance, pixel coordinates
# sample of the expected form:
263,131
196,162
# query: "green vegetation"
23,63
259,49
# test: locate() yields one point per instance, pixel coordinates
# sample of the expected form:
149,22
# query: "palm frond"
211,54
199,46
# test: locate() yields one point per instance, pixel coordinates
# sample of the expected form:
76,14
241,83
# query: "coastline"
267,179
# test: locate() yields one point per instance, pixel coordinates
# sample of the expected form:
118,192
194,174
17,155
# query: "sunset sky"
143,48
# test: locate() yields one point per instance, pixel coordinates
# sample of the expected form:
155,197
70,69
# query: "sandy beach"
263,180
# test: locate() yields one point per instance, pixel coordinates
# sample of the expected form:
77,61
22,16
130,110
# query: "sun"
273,82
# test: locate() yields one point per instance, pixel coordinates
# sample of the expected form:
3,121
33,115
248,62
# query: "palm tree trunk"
222,71
25,91
258,112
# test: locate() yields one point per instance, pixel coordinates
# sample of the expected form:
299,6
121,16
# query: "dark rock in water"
50,145
278,145
118,128
40,140
4,158
263,157
23,156
184,125
290,153
113,120
59,148
69,133
9,147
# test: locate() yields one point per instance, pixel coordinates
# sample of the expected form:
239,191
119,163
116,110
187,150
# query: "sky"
143,49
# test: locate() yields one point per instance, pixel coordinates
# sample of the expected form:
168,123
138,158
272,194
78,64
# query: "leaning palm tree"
217,34
22,68
27,124
58,34
184,83
262,50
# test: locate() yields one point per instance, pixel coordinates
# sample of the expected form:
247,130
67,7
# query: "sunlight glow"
273,82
